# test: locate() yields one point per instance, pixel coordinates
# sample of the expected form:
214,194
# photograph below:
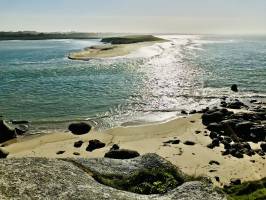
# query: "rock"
121,154
208,118
217,178
79,128
235,105
191,143
215,142
235,181
243,128
192,112
258,133
246,145
76,153
215,127
43,178
238,154
227,139
214,162
263,147
226,145
223,104
253,101
210,146
114,147
60,152
213,135
226,152
234,88
3,153
6,131
78,144
95,144
183,112
260,152
21,129
197,131
172,142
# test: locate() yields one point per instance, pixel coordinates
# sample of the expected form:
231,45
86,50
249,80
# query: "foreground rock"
79,128
42,178
6,131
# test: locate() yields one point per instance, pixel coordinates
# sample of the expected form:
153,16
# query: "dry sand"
193,160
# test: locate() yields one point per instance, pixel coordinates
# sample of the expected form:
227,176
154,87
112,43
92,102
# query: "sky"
135,16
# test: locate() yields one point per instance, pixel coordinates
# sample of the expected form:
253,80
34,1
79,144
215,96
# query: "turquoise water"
39,83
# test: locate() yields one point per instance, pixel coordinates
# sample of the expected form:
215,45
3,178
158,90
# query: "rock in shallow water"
42,178
234,88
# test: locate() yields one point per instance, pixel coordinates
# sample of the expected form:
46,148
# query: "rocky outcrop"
234,130
42,178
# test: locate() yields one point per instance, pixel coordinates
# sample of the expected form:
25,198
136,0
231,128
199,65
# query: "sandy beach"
108,51
191,159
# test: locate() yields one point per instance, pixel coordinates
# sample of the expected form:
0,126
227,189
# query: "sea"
38,83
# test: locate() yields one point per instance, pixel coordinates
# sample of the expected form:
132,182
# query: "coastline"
151,138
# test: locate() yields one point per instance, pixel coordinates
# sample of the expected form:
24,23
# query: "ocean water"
38,82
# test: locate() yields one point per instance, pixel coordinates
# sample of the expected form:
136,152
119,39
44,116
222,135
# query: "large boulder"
121,154
7,132
79,128
86,179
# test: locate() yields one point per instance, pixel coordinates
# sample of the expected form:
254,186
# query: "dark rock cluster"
235,130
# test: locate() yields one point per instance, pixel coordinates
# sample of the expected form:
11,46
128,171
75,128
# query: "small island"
115,46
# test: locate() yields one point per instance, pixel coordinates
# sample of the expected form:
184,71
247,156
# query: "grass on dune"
252,190
131,39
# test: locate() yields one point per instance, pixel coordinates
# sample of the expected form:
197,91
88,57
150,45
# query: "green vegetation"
253,190
32,35
152,181
131,39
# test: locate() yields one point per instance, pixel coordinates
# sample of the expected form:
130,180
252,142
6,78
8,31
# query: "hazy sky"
168,16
